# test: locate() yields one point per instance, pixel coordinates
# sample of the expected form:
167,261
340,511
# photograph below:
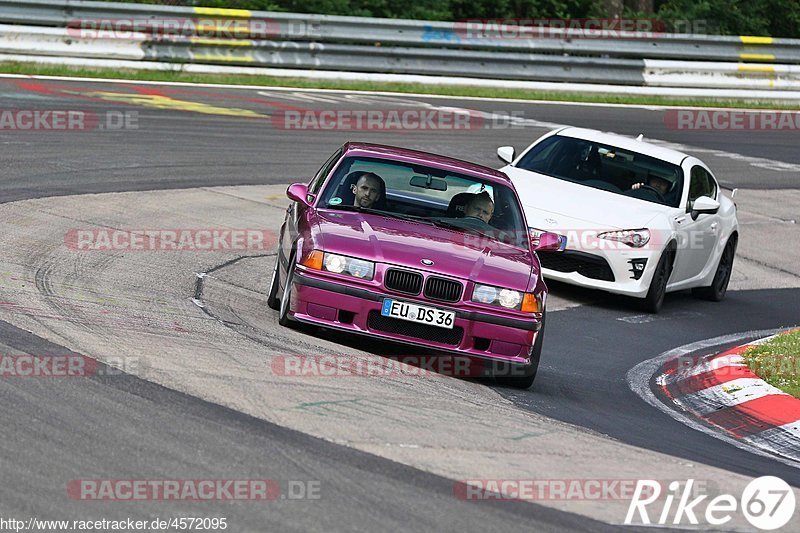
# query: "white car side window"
701,184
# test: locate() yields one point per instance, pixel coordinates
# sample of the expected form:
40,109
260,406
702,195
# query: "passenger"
480,206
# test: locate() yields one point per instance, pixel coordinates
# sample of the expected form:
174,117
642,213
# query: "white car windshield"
426,194
606,167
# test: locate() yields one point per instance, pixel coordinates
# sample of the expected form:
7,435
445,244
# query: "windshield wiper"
450,225
369,210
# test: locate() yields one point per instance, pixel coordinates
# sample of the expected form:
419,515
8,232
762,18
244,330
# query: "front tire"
286,298
275,285
716,291
658,286
525,381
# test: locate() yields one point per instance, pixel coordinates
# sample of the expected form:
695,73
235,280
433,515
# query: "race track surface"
194,139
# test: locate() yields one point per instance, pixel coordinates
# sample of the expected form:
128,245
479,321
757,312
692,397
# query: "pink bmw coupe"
415,248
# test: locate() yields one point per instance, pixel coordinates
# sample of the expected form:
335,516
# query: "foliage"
777,362
776,18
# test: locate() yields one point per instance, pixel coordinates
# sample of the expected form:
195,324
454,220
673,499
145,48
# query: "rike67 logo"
767,503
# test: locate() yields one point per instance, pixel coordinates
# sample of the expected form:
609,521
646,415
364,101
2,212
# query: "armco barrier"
437,62
659,73
415,33
321,42
35,40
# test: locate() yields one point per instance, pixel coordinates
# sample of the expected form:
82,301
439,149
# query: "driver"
480,206
662,185
367,190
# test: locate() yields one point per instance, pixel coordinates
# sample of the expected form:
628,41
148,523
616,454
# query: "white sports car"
635,218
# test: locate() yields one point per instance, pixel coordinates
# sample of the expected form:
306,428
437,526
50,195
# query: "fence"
103,30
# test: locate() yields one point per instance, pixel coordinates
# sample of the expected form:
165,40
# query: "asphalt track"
53,429
178,149
149,430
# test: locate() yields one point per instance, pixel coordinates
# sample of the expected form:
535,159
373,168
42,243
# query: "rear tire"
719,286
525,381
286,298
658,286
275,285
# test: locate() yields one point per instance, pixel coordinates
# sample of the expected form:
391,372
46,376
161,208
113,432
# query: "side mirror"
506,154
547,242
704,204
298,192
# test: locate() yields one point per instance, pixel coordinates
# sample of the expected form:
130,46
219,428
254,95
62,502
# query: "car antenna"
640,137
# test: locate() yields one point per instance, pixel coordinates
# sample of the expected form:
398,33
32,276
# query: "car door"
697,237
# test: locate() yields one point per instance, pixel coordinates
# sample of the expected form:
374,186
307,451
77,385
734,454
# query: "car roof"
416,156
626,143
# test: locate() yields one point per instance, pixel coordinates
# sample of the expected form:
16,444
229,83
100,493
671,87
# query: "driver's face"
481,208
367,190
660,185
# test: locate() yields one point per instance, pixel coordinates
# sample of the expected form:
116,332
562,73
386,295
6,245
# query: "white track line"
650,107
729,394
727,361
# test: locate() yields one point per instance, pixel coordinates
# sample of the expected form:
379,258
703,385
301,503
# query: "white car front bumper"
608,270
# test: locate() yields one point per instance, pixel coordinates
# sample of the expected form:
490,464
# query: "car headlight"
507,298
635,238
340,264
484,294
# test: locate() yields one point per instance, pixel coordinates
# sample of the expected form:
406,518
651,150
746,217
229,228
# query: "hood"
554,204
405,243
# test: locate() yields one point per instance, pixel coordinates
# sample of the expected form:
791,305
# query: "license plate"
418,313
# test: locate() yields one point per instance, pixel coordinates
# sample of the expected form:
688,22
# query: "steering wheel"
655,191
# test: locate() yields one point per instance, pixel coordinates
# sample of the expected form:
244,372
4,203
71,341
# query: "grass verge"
778,362
305,83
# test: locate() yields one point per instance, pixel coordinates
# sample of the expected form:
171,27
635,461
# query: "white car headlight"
635,238
340,264
486,294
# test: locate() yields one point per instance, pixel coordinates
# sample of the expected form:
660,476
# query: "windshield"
606,167
427,194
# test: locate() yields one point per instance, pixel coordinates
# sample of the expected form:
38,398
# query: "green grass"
47,70
778,362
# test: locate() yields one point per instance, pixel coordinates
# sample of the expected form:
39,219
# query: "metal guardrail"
438,62
401,32
323,42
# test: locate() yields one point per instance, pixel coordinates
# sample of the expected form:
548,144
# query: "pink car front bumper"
476,334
